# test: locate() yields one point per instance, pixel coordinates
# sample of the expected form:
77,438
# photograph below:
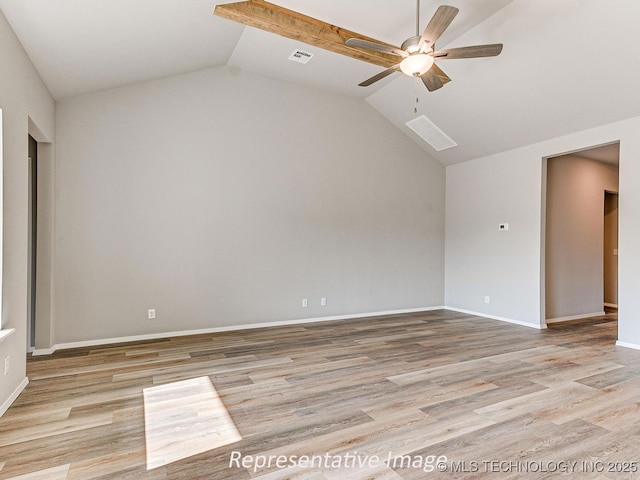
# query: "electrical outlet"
487,299
503,227
305,303
323,302
6,365
151,313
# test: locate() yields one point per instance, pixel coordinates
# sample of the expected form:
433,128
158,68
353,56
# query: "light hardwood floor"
476,391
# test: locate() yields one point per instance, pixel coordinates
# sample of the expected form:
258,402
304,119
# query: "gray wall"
481,260
27,107
222,199
575,234
507,186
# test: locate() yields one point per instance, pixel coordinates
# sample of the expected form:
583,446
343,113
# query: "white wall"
24,101
222,199
508,187
574,266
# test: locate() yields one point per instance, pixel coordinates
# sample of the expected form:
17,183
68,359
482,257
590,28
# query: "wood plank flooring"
183,419
376,398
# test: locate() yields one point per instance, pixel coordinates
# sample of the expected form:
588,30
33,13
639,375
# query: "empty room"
319,240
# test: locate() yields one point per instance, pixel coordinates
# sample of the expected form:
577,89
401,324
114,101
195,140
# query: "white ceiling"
566,65
83,46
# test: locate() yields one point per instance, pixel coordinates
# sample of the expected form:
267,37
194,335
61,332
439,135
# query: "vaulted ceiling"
566,65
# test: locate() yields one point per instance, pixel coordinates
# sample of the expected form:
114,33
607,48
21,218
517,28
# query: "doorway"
610,253
576,213
33,243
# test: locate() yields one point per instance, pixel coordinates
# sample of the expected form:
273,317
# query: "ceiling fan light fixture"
417,64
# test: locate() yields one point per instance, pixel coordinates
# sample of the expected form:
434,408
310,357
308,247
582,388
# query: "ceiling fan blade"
444,78
438,24
475,51
287,23
379,76
376,47
431,80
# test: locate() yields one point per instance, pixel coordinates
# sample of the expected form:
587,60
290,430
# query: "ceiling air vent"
430,133
300,56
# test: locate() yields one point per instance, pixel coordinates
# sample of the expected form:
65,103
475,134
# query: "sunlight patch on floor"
183,419
55,473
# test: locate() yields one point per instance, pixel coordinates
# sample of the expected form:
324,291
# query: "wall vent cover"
300,56
430,133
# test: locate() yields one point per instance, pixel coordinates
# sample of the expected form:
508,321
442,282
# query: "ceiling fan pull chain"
415,109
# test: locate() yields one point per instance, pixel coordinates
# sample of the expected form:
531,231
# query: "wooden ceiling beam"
287,23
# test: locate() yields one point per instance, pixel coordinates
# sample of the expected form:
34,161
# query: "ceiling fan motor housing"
420,58
411,45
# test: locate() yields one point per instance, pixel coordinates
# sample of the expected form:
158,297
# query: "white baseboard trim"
612,305
183,333
12,398
43,351
635,346
575,317
495,317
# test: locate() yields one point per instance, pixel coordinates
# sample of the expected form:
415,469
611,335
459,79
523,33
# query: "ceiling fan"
418,52
415,57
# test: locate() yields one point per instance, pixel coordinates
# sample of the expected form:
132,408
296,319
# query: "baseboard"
575,317
635,346
495,317
43,351
12,398
183,333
